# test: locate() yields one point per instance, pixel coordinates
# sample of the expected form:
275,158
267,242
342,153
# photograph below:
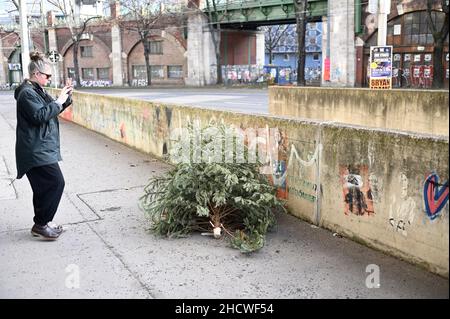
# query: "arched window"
411,29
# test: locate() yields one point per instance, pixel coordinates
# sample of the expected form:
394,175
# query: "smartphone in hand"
69,84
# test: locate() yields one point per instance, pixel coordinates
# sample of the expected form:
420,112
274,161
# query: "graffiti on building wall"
139,82
313,73
234,74
94,83
5,86
358,196
402,212
435,195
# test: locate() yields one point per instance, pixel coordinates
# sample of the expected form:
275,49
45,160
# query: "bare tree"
16,4
273,36
440,33
145,16
300,14
77,27
211,7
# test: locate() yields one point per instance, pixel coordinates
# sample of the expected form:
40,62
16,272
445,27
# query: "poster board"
380,64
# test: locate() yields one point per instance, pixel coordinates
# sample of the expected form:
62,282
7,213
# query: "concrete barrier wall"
416,111
382,188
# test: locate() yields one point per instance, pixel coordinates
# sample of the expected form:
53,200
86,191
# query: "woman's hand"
69,83
65,92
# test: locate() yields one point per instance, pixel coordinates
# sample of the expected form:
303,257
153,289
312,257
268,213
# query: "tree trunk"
300,13
76,64
438,68
216,42
147,61
440,33
270,56
216,38
219,70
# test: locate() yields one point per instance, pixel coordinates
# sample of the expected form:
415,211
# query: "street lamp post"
383,11
54,57
381,8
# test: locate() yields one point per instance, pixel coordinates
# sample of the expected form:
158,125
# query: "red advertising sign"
327,67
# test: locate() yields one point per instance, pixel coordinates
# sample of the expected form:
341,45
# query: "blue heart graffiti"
435,195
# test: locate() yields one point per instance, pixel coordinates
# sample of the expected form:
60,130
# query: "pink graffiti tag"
435,195
122,130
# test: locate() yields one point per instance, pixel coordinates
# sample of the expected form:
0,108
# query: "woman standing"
37,144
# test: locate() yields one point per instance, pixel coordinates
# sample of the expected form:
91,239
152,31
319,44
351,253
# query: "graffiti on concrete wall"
302,188
376,187
435,195
402,213
296,183
336,74
279,165
300,184
358,196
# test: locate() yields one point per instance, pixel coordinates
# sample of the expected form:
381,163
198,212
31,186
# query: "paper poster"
380,67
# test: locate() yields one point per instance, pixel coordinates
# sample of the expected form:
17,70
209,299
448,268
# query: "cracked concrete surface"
107,251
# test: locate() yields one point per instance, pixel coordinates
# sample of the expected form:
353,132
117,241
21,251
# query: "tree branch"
430,17
445,6
445,27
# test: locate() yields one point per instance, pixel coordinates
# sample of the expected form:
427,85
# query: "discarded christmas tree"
217,196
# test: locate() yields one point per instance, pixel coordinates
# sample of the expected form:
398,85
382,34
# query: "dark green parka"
37,132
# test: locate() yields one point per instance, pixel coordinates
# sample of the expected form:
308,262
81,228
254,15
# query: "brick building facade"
95,56
410,35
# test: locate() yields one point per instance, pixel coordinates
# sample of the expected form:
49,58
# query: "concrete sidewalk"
108,253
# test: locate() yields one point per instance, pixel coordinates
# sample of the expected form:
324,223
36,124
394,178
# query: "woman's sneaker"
44,232
57,228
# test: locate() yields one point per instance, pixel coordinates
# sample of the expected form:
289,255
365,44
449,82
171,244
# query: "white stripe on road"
195,98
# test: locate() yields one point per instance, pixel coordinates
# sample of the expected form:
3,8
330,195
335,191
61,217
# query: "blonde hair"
38,63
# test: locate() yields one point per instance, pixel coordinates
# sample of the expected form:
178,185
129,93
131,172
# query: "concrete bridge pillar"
116,55
260,48
3,65
201,57
116,45
341,43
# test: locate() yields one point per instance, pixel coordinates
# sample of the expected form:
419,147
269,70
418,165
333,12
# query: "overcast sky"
33,6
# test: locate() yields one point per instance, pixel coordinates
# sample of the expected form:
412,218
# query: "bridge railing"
239,11
238,4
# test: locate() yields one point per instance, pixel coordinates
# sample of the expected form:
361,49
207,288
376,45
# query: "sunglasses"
47,76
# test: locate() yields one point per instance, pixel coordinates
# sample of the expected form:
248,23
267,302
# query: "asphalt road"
237,100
